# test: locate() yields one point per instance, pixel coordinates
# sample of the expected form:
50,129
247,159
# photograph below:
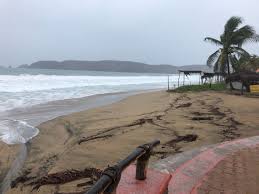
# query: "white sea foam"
27,83
23,83
16,132
25,90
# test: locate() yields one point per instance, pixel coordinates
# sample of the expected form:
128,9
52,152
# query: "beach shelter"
186,73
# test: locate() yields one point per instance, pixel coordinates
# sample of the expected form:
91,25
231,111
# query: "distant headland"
112,66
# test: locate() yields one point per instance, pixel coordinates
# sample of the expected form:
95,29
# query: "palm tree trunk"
228,67
230,83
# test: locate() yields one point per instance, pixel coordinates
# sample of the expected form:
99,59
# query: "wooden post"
242,89
168,86
179,79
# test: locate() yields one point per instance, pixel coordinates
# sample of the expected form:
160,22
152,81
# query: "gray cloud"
152,31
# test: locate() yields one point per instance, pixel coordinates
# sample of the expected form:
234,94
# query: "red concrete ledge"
188,176
155,183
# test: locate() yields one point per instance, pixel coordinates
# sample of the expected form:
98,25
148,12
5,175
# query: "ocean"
23,89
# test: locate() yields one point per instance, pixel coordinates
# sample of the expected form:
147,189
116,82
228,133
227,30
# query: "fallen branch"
202,118
101,134
21,179
93,138
184,105
185,138
59,178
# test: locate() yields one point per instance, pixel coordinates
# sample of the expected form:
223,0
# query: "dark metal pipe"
101,185
130,158
111,176
153,144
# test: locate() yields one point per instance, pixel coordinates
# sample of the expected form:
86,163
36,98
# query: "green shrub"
203,87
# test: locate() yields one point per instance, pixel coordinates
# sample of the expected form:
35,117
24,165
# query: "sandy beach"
97,137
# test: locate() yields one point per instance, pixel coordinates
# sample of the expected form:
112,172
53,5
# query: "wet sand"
13,156
102,136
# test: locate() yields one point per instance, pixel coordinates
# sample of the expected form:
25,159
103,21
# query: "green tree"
238,63
230,43
251,64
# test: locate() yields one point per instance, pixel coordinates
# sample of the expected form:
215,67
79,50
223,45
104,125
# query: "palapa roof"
187,72
243,77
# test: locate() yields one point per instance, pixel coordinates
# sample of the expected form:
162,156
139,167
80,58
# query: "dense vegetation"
204,87
250,64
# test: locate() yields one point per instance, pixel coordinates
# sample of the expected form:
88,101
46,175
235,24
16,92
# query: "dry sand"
174,118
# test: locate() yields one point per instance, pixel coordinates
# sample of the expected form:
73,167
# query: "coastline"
182,121
38,114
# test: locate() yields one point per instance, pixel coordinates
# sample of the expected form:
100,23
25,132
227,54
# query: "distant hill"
3,67
109,66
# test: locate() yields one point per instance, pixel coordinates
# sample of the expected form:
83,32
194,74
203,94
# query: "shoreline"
100,136
43,115
37,114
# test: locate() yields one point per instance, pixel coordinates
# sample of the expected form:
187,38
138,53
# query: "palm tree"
230,43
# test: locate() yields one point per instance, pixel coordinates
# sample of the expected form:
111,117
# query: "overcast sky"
150,31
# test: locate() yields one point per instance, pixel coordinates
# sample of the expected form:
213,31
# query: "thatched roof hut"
243,79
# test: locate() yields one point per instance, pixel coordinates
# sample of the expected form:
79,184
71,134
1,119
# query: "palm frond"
213,41
245,58
240,52
245,34
234,62
217,66
255,38
232,24
212,58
